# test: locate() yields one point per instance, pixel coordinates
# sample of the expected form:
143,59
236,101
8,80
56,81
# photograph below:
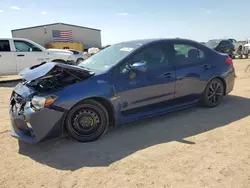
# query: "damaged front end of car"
33,116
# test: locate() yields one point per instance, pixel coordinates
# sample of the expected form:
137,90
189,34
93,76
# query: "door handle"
166,75
20,55
207,66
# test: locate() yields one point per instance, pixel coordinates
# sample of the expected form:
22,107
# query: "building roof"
56,24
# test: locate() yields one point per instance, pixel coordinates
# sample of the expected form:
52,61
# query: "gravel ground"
196,147
9,77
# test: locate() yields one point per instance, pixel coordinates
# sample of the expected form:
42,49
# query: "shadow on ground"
8,83
125,140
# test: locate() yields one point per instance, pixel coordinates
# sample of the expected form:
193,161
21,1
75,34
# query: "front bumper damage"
33,126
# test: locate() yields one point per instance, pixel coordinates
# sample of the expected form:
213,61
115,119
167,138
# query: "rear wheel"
87,121
213,93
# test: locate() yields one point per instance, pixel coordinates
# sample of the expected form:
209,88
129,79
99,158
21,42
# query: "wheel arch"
79,58
103,101
221,79
58,60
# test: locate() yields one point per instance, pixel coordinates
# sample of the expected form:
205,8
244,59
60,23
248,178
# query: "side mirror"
139,67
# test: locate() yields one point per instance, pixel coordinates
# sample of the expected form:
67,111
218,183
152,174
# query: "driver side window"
23,46
153,56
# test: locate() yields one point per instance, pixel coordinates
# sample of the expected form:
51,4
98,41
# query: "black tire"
59,61
79,60
213,93
87,121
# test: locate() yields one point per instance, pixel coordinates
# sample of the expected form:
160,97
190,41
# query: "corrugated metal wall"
42,36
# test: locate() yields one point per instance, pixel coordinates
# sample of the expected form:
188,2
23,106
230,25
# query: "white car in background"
79,56
17,54
247,45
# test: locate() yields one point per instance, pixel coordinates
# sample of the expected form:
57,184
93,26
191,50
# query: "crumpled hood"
45,69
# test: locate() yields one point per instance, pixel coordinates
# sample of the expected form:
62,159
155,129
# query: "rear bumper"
35,126
230,80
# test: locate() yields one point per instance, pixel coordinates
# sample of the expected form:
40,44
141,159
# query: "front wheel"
213,93
87,121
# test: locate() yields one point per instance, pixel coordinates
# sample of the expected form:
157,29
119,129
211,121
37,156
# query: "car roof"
219,40
13,39
148,41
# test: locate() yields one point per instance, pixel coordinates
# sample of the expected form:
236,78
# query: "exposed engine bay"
55,79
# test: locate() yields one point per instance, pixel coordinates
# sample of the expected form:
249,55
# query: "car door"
27,54
146,91
192,71
7,58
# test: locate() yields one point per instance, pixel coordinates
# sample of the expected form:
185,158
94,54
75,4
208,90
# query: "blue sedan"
125,82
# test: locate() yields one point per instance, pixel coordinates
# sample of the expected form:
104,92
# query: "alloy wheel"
215,92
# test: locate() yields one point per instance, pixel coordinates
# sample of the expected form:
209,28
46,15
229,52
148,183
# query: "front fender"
75,93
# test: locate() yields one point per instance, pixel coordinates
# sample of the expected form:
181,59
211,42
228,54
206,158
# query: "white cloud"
44,12
15,7
206,11
1,11
122,14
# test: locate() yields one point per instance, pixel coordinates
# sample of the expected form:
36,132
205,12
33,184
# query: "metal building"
44,34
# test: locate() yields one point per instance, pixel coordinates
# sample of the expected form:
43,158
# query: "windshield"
109,57
212,43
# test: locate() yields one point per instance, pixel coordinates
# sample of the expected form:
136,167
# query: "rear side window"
4,46
187,54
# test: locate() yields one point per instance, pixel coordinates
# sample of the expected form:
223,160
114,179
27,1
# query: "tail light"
229,61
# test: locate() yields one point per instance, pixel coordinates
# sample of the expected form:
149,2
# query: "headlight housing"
41,102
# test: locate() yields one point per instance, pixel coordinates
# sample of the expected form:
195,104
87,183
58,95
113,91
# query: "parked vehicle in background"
222,46
17,54
241,50
93,50
247,46
79,56
66,45
125,82
233,41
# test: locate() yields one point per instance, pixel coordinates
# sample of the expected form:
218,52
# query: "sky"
122,20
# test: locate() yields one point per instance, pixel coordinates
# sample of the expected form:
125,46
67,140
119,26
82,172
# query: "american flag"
62,36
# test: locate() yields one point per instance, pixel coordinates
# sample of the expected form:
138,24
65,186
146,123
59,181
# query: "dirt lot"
192,148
